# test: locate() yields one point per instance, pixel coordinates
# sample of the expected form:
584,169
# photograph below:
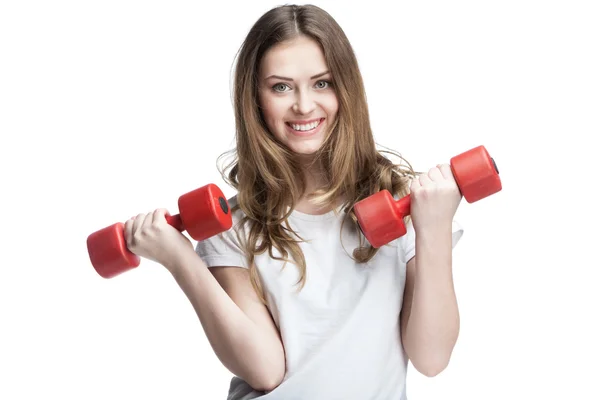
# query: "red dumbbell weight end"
381,217
203,212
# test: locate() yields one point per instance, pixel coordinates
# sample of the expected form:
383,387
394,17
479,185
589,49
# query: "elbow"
265,369
431,370
270,384
431,367
430,359
269,381
268,375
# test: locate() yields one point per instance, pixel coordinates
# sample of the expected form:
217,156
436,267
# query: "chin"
305,150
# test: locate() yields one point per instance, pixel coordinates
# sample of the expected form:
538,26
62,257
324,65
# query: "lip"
311,132
305,121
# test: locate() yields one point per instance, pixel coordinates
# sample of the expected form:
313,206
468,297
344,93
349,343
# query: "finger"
147,224
128,231
424,179
435,174
415,183
159,215
138,221
446,171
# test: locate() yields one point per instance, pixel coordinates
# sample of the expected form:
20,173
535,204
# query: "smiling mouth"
305,127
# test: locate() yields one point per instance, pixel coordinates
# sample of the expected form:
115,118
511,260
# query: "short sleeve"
223,249
407,241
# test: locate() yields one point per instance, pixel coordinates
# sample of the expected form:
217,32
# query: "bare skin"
238,326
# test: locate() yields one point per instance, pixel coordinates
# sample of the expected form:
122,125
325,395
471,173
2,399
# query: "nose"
305,104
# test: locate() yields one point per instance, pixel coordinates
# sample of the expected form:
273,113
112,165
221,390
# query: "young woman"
294,301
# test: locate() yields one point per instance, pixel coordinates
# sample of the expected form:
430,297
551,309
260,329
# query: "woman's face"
296,94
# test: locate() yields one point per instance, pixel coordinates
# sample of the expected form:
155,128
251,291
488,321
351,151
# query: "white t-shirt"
341,332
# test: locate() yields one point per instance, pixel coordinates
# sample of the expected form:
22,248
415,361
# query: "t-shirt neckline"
315,217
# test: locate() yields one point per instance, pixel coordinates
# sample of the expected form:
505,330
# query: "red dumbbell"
381,217
204,212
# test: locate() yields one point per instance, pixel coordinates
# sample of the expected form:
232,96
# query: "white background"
112,108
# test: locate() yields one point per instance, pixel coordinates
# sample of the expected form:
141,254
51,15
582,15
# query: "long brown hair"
266,174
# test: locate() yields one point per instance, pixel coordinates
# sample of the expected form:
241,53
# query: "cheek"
331,105
272,110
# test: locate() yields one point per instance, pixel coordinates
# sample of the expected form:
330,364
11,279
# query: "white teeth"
306,127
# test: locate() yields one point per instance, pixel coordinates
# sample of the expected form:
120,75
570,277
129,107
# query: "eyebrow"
283,78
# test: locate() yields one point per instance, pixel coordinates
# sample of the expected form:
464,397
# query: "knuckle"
133,242
155,226
418,192
136,238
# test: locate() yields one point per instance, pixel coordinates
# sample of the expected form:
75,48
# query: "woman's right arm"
237,324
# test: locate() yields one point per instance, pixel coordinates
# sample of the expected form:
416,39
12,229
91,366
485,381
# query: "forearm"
238,342
433,324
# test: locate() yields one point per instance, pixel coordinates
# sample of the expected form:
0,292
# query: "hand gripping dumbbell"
381,217
204,212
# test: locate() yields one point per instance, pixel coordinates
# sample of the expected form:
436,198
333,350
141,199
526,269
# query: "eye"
323,84
279,87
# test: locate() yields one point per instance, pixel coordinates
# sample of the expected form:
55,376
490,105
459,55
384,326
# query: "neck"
314,174
315,178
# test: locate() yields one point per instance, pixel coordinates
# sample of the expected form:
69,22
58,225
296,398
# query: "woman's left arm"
430,318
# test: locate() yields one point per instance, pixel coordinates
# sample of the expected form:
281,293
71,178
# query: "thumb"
160,214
